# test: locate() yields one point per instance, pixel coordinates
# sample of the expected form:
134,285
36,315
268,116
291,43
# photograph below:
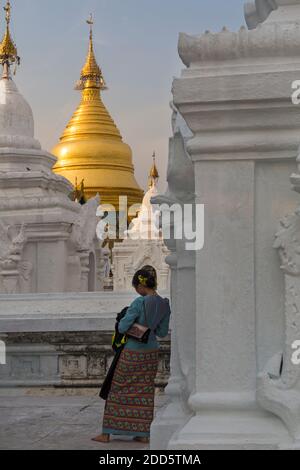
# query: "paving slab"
47,419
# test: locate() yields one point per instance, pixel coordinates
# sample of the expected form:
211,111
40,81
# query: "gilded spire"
8,50
7,10
154,175
91,74
91,146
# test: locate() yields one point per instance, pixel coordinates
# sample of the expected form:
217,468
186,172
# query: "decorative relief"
73,367
11,264
96,366
25,269
72,358
257,12
90,95
10,245
180,173
84,228
25,366
86,243
279,392
288,244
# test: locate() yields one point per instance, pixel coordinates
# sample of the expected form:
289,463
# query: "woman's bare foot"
144,440
102,438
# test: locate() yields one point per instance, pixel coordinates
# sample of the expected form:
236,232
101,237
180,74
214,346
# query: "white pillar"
182,381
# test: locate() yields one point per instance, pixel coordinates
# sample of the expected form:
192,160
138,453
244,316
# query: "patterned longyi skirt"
129,408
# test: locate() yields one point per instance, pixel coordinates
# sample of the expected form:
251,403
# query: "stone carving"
71,366
70,359
258,12
288,244
11,264
103,267
132,255
180,174
27,365
88,246
281,394
96,365
84,229
25,269
10,245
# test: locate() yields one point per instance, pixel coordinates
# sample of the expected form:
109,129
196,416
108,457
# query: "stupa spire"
91,147
8,49
153,175
91,74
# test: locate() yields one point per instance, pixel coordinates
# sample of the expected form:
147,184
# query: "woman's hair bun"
144,278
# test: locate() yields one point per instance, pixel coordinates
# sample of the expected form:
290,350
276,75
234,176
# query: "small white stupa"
47,242
144,244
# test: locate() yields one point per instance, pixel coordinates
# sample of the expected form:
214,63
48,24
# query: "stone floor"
56,419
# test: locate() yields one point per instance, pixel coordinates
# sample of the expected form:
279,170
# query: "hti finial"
90,22
8,50
154,175
91,75
7,10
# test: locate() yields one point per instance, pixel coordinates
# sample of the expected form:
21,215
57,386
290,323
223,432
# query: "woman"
129,408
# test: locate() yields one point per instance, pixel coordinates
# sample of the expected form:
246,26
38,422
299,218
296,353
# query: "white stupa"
144,245
47,242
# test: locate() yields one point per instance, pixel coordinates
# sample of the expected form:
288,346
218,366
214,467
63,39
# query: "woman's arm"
131,316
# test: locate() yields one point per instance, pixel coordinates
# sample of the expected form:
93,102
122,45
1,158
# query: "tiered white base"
231,430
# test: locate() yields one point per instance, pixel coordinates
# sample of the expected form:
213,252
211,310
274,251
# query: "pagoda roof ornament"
78,194
258,11
154,175
91,74
8,49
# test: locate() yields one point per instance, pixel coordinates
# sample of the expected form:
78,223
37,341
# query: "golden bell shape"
91,147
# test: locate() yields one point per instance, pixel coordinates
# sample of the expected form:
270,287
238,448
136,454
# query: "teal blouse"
136,314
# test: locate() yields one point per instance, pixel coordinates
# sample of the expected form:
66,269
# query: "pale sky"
136,46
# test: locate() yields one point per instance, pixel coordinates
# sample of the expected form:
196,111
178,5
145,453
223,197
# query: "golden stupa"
91,147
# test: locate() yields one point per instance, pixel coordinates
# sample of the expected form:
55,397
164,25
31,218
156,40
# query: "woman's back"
151,310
